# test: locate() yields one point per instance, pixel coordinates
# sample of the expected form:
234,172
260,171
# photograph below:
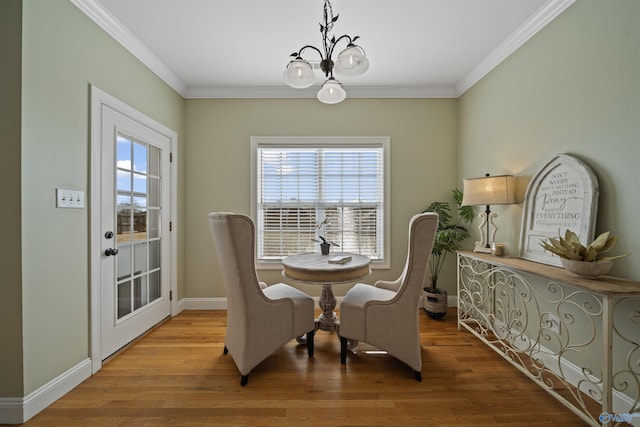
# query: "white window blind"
298,186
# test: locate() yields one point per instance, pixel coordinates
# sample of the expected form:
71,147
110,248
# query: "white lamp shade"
489,190
351,62
299,74
331,92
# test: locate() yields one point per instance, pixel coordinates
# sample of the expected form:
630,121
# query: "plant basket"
435,304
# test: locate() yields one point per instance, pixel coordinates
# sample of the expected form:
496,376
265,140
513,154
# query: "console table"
579,339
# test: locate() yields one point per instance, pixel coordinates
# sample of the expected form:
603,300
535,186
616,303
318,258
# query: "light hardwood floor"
178,376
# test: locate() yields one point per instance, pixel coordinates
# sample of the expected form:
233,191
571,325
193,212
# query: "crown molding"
547,13
96,12
352,92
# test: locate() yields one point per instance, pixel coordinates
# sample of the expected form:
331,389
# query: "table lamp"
488,190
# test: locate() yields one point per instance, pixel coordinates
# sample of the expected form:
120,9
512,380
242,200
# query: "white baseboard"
203,303
11,410
452,301
17,410
179,307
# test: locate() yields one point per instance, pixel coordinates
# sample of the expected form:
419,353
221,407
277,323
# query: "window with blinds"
307,187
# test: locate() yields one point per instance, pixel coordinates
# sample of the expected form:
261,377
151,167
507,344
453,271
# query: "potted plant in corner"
449,235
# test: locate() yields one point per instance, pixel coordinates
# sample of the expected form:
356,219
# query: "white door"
135,258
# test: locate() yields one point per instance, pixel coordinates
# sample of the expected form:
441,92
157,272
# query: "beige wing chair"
259,319
385,315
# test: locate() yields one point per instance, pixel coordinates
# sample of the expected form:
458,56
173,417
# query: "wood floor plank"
178,376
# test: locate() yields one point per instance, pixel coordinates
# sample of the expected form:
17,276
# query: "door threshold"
132,342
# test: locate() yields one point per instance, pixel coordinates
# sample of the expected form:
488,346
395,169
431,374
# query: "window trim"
328,141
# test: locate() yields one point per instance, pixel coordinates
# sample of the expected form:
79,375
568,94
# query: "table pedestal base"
328,321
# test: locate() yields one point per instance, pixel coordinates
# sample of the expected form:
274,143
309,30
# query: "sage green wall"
573,88
423,156
63,53
10,250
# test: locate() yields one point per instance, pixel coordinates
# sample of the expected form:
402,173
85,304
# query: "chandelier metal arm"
336,41
299,53
326,63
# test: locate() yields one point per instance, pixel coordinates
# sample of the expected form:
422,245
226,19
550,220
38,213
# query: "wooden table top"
602,285
315,268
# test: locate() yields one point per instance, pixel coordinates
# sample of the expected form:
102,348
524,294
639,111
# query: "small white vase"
587,269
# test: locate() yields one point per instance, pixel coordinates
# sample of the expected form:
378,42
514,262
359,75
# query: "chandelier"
351,61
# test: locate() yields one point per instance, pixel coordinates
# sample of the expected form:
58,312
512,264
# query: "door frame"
98,99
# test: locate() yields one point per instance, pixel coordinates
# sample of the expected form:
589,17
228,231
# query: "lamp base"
487,230
480,247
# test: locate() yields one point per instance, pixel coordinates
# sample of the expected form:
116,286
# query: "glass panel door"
131,239
138,201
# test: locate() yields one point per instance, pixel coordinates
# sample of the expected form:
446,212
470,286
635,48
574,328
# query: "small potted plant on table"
449,235
325,244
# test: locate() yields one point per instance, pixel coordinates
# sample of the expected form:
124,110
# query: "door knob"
111,251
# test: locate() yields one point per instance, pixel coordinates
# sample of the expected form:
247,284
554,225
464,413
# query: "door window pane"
139,201
154,223
123,182
139,224
154,255
139,292
123,152
154,286
123,261
154,161
140,258
154,192
123,200
139,184
124,225
139,157
123,219
124,299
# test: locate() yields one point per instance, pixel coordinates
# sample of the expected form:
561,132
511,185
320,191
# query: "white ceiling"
239,48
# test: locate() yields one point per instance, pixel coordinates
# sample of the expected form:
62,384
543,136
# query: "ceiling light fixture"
352,61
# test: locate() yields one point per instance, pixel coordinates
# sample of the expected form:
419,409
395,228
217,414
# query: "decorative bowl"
587,269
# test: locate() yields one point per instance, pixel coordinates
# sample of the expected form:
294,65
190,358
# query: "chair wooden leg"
418,375
244,379
343,350
310,346
226,350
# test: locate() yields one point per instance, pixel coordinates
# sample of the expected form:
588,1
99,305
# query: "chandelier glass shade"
351,61
299,74
331,92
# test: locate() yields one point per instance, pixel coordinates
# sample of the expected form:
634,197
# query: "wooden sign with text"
562,195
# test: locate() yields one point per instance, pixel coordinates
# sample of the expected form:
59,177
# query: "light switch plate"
69,198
